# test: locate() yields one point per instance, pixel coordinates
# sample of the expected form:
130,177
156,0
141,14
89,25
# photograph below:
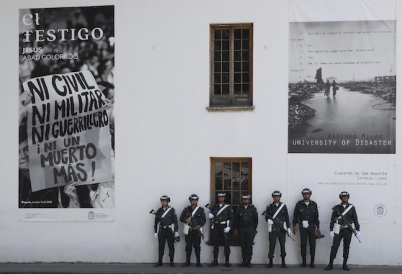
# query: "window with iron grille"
231,65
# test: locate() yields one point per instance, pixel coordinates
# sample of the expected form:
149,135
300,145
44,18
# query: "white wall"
165,136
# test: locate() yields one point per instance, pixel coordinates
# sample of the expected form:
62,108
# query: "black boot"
303,264
171,262
198,260
270,264
345,264
331,264
187,263
215,262
227,264
312,265
159,263
248,263
283,263
243,264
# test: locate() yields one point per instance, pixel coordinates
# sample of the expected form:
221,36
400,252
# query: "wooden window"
231,65
232,176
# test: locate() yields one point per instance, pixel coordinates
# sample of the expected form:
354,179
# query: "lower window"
232,176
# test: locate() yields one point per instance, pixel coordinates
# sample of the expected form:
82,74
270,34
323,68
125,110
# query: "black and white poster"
342,103
342,87
66,124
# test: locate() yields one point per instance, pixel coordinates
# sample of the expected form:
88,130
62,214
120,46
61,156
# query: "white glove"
270,222
358,235
332,234
156,235
176,234
305,224
211,216
289,232
227,229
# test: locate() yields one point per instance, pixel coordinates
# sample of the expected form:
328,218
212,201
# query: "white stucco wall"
165,136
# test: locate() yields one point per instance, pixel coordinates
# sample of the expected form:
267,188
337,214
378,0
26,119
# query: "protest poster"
66,125
68,131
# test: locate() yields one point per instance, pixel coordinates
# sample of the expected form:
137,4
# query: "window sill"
230,108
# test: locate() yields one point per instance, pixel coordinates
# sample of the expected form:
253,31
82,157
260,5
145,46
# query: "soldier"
306,214
193,217
166,218
246,222
279,211
342,224
221,216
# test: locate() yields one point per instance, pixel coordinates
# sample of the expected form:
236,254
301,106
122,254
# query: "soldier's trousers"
193,239
219,234
246,237
346,235
163,236
309,233
272,243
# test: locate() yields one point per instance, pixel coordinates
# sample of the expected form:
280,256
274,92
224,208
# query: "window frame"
232,99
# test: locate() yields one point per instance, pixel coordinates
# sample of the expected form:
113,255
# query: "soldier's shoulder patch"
268,205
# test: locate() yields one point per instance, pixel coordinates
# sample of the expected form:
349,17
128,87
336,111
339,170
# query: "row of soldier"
344,223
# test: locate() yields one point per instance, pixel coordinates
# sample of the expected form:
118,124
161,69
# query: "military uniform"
166,233
276,232
220,222
345,231
193,238
246,222
304,212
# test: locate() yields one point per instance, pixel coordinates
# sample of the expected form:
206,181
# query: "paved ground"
148,268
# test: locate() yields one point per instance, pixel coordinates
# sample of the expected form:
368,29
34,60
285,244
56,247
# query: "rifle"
194,223
345,221
164,225
277,223
214,220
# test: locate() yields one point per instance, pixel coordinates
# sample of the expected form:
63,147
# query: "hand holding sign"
71,192
24,100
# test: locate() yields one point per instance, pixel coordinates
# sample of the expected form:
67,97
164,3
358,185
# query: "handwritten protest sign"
68,131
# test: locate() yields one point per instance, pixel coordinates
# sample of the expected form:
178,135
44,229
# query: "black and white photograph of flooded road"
360,118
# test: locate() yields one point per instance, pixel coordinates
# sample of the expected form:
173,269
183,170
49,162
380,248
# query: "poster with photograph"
342,104
342,87
66,123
